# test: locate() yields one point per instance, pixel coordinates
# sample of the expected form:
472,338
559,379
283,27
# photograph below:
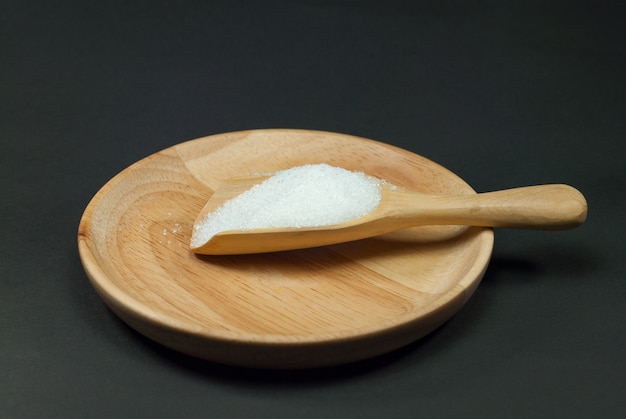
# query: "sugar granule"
304,196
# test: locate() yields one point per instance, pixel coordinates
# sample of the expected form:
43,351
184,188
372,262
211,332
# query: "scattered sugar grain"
304,196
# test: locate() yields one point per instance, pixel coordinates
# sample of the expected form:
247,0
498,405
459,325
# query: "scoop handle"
544,207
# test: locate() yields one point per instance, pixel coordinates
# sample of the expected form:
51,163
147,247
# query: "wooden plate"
306,308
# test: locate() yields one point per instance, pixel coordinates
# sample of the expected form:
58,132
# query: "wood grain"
305,308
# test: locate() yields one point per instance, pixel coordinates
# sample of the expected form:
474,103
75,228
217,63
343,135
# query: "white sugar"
304,196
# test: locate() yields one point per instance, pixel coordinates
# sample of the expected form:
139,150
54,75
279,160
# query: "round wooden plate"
305,308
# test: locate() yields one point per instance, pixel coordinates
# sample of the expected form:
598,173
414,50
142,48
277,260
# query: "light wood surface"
548,207
295,309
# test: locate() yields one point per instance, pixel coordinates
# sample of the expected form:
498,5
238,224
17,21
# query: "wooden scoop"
545,207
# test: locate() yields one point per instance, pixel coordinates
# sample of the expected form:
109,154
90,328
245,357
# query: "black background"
502,93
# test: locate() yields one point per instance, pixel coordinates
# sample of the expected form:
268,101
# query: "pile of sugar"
305,196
